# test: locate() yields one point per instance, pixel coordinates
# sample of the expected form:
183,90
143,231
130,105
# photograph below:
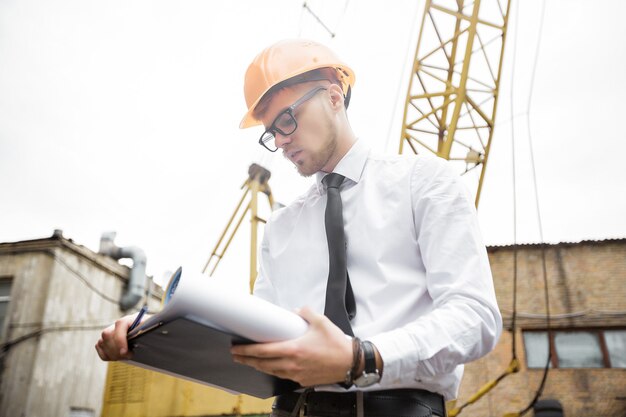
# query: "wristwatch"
370,374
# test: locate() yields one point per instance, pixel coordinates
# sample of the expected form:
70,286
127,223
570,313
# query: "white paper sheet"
226,309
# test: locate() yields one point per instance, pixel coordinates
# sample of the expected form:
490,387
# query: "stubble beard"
318,160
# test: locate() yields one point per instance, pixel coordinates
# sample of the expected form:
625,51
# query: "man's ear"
336,96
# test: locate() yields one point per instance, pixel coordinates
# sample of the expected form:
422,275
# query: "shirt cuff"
399,353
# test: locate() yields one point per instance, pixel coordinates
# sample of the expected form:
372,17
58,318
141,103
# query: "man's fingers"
101,351
119,335
274,366
263,350
112,345
306,313
311,316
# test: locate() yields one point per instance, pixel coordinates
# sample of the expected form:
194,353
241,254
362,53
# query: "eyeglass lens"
285,124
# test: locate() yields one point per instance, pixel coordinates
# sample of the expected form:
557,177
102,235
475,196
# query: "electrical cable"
539,222
589,312
514,180
86,282
4,348
330,32
514,364
81,278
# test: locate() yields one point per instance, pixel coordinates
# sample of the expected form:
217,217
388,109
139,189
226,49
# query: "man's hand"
322,355
112,345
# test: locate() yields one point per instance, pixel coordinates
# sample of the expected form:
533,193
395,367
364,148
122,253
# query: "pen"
138,318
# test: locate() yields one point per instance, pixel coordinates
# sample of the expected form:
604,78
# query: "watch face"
365,380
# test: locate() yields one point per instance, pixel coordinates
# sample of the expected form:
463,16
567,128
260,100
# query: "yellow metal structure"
451,103
514,366
136,392
450,107
256,182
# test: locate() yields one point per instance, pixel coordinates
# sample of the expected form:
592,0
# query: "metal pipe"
136,285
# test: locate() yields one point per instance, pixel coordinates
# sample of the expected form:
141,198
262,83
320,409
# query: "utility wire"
514,180
602,313
148,293
330,32
543,248
81,278
4,348
513,366
539,222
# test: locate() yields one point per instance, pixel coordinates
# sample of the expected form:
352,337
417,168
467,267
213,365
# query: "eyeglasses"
285,123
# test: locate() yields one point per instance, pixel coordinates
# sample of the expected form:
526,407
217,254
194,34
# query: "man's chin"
303,170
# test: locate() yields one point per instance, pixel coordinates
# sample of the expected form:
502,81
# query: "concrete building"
55,299
587,296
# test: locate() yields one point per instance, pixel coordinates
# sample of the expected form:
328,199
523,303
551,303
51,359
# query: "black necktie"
340,306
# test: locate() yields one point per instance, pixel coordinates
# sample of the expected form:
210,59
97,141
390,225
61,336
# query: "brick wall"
587,288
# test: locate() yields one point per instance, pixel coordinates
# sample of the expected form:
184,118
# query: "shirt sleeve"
465,322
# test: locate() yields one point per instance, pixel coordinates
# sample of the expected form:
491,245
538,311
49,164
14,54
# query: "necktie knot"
333,180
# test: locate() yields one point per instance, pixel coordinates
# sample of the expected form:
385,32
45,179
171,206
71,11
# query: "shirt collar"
350,166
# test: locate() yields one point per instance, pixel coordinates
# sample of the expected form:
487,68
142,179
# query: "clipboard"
189,349
188,341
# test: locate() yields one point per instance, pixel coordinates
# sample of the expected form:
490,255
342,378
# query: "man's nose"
281,140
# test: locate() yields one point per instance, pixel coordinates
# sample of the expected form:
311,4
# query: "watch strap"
370,374
369,355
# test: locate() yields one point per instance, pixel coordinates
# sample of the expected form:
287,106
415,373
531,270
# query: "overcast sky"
123,116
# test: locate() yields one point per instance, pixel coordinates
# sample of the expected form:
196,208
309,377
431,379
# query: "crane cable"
539,222
332,34
312,13
514,365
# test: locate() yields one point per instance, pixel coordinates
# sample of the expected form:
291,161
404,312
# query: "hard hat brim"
348,79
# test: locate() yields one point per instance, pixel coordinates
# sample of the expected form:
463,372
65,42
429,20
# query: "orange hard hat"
284,60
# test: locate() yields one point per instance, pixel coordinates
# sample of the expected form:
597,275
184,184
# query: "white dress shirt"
417,265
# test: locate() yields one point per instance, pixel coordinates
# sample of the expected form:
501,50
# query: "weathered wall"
55,367
587,278
30,280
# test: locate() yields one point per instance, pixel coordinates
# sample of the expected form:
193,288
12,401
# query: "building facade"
55,299
586,337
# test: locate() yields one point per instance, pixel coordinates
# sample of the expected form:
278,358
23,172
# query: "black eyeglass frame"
270,132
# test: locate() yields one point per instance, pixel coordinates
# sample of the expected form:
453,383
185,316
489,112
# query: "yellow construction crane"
450,107
451,103
133,392
257,182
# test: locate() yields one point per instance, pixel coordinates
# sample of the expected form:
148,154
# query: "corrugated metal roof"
559,244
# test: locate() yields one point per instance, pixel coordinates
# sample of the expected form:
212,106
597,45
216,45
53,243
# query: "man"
399,297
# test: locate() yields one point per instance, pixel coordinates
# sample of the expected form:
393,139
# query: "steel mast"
450,107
